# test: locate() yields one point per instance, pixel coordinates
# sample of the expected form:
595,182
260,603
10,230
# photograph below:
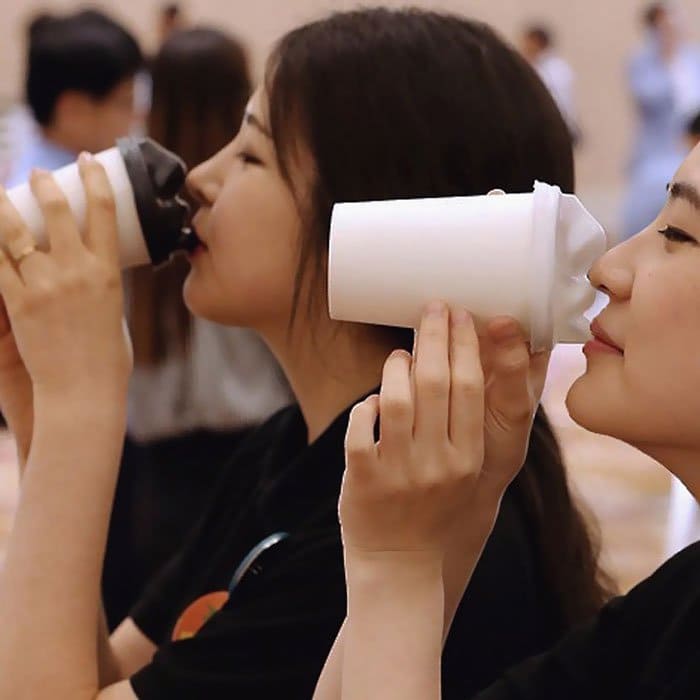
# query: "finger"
360,446
466,425
509,396
59,221
396,405
101,230
432,374
11,285
15,235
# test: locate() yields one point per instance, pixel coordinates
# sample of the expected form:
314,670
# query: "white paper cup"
519,255
133,245
145,180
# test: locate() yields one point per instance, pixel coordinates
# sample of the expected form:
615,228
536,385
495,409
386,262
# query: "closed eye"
248,158
677,235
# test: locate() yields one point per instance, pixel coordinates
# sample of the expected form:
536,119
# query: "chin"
197,301
602,410
590,407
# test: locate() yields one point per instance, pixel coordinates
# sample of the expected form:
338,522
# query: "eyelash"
248,159
675,235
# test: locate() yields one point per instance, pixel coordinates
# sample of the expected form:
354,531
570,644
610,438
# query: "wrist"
80,408
403,580
375,567
96,394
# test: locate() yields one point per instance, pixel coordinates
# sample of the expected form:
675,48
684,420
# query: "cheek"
652,395
255,238
248,274
664,330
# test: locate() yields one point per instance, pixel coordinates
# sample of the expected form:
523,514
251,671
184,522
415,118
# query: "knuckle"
397,407
40,295
112,280
12,229
103,275
357,451
429,481
53,202
514,362
104,201
433,381
467,383
73,280
519,412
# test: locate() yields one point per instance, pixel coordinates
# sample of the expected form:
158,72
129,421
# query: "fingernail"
85,157
435,308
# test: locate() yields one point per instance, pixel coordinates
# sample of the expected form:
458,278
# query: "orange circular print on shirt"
197,614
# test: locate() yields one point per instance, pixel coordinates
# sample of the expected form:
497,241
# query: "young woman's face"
250,225
648,391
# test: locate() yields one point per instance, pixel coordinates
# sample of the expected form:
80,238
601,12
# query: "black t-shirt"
643,646
272,637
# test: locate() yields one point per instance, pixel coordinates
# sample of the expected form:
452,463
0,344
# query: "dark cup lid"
157,176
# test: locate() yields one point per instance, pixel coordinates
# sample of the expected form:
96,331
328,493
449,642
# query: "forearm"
393,633
50,590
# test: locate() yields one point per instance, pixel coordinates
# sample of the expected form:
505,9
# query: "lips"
198,226
602,337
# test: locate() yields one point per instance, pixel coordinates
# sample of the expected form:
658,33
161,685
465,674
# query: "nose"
200,185
613,272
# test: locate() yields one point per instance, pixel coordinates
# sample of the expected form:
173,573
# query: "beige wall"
594,35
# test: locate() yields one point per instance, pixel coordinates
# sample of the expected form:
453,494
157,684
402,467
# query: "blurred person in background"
197,387
171,18
692,132
664,81
537,45
79,88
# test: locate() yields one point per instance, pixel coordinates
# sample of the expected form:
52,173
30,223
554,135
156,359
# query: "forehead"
690,168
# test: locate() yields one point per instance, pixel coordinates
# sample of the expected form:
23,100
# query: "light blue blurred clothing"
666,96
39,152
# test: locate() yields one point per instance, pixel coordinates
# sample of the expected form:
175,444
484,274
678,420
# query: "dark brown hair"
201,84
410,103
653,13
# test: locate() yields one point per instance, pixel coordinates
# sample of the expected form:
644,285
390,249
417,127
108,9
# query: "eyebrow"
251,119
686,192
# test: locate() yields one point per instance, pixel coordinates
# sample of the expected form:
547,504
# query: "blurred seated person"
79,88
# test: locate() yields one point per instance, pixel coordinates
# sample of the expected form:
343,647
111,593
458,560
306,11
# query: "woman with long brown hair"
197,388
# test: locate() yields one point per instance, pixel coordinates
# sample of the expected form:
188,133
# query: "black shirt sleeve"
263,643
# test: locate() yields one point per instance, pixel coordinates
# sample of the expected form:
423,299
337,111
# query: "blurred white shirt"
558,76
